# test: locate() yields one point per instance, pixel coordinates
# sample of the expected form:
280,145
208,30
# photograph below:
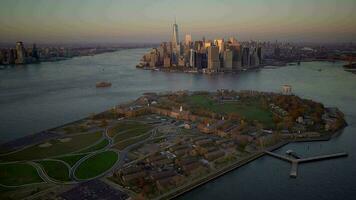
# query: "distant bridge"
295,162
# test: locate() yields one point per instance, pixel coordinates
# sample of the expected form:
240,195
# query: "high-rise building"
228,58
192,58
2,56
236,55
35,54
20,53
181,61
198,45
175,39
245,57
200,60
233,40
221,44
167,62
207,44
154,58
213,58
259,55
12,55
188,39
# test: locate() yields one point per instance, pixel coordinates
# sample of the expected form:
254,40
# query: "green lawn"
96,165
132,133
123,126
96,147
123,144
55,170
57,148
249,110
72,159
18,174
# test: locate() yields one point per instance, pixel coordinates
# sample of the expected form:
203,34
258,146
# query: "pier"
296,161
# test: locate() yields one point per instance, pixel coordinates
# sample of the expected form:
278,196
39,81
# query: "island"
160,145
221,55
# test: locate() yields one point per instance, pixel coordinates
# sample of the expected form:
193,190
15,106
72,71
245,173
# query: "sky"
150,21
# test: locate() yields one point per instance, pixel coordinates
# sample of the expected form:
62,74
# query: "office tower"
192,56
220,43
188,39
2,56
35,54
154,58
175,39
207,44
252,57
198,45
204,60
12,55
233,40
200,60
245,57
181,61
228,59
167,61
259,54
20,53
213,58
236,55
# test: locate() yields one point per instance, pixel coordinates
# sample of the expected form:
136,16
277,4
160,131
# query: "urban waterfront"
37,97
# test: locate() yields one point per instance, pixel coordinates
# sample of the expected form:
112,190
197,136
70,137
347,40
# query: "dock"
296,161
294,169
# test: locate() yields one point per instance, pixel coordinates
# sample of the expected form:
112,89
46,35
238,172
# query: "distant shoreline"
57,59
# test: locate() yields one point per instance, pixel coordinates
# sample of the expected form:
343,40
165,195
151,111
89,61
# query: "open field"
55,169
96,147
18,174
54,148
132,133
249,110
71,159
96,165
123,126
22,192
125,143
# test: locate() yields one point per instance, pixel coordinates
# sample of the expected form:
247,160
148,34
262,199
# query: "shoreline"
236,165
58,59
234,71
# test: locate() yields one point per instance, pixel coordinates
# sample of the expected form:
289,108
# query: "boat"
103,84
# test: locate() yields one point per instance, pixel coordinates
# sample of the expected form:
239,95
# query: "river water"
41,96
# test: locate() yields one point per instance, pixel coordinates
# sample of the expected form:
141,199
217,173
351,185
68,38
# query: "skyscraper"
20,53
192,58
35,53
213,58
188,39
221,44
245,57
228,58
175,39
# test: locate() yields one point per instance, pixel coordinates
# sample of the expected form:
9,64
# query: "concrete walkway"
295,162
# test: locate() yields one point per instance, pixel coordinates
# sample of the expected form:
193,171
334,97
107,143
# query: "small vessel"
103,84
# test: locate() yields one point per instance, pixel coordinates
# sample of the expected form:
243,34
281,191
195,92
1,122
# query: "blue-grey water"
41,96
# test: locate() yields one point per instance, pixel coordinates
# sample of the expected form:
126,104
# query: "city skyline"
149,21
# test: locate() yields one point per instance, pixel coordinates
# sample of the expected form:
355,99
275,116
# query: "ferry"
103,84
